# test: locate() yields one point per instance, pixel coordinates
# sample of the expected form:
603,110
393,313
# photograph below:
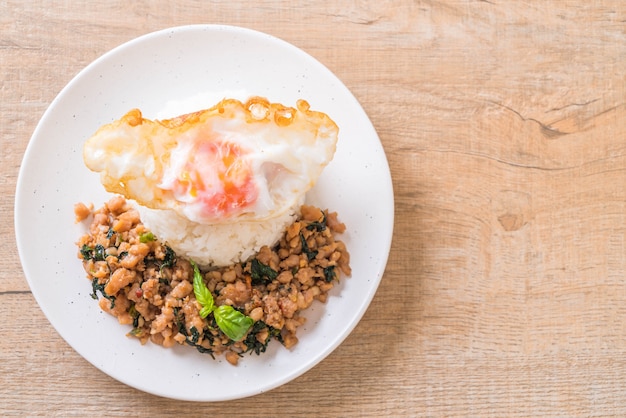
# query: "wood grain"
505,128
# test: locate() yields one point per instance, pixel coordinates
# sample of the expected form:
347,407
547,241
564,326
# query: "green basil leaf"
330,274
203,294
310,254
146,237
169,260
261,273
232,322
87,252
99,253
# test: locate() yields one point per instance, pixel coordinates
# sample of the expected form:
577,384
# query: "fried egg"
233,162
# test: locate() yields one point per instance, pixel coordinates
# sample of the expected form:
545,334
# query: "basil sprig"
232,322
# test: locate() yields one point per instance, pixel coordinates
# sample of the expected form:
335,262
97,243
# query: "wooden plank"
505,128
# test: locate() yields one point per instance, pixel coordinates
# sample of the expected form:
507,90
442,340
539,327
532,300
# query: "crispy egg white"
230,163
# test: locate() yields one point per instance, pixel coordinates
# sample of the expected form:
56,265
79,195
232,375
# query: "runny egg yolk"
217,178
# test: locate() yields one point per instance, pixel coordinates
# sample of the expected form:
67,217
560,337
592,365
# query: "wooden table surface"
504,123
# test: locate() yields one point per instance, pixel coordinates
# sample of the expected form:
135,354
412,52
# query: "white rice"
215,245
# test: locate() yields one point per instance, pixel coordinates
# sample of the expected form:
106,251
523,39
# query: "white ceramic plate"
152,73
